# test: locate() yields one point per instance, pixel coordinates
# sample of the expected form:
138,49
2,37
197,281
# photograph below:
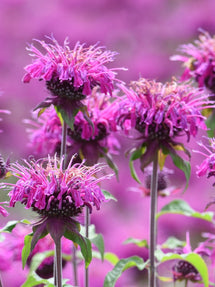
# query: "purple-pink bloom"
3,211
207,167
51,191
70,74
183,270
199,61
160,113
91,137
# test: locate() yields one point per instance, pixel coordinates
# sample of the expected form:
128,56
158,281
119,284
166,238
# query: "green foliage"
135,154
121,266
83,242
108,195
173,242
138,242
10,225
183,165
26,249
179,206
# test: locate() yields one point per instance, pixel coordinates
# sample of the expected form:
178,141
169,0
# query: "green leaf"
111,257
138,242
10,225
135,155
194,259
120,267
110,162
34,280
181,164
108,195
172,243
179,206
210,122
98,241
83,242
26,249
69,118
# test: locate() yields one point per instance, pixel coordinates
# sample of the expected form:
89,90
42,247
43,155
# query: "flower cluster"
199,61
160,113
91,136
49,190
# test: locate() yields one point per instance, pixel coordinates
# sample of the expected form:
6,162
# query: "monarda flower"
57,195
184,270
91,137
160,114
199,61
70,74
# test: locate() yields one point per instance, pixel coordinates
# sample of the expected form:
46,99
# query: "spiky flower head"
70,73
91,136
51,191
199,60
184,270
160,113
207,167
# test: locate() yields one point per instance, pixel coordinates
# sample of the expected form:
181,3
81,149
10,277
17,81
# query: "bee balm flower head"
70,74
160,113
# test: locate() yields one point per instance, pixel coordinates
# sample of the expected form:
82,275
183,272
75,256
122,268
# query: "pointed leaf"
111,257
172,243
137,153
179,206
138,242
68,117
183,165
26,249
10,225
121,266
83,242
98,241
108,195
110,162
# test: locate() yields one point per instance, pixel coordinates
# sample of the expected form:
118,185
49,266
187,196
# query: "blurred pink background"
145,33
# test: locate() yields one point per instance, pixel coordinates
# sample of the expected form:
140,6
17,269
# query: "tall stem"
63,144
74,262
153,225
62,155
87,223
58,262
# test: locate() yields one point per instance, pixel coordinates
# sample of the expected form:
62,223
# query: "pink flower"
45,187
183,270
160,113
70,74
92,135
199,61
3,211
208,164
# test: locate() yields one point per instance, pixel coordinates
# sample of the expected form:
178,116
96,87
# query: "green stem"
63,144
87,224
74,263
186,283
58,262
153,224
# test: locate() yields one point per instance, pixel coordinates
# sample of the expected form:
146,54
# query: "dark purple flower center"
2,167
76,134
156,132
183,270
45,270
68,208
162,181
65,89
